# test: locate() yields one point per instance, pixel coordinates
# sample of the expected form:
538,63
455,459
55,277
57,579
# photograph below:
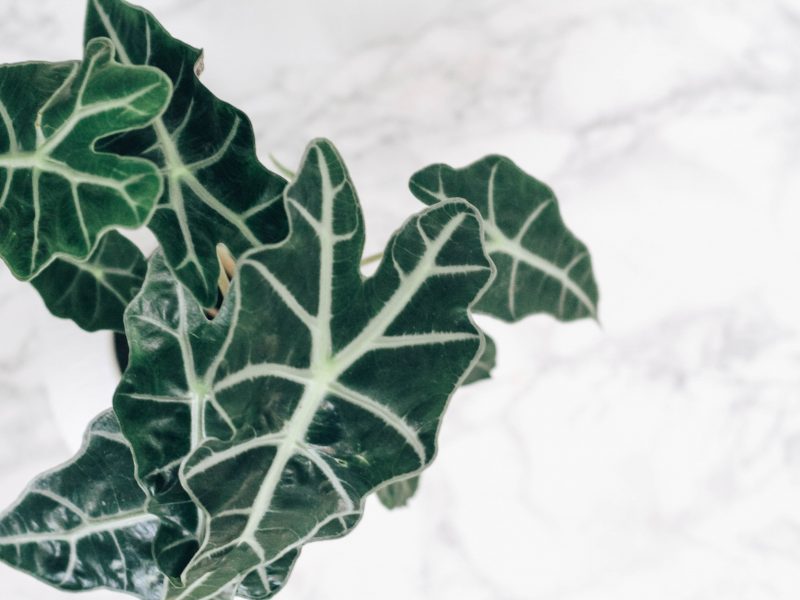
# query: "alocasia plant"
271,387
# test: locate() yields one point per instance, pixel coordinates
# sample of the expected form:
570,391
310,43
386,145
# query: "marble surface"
655,457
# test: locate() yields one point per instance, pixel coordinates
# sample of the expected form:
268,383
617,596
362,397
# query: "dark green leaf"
312,386
541,265
58,195
335,384
84,525
166,412
216,190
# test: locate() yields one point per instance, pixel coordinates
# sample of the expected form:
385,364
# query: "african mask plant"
271,386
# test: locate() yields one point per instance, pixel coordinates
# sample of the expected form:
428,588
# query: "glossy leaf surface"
162,403
84,525
58,193
215,189
334,384
541,265
94,293
167,413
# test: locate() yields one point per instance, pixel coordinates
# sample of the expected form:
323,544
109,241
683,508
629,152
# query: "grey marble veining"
656,456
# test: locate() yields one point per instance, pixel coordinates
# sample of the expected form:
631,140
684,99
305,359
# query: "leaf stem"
227,268
282,169
368,260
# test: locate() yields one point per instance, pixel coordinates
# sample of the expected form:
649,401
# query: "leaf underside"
84,525
541,266
215,189
94,293
58,194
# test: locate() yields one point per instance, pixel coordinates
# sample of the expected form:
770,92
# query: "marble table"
656,456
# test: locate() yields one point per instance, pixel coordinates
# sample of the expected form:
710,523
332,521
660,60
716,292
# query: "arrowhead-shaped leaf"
216,190
94,293
84,525
541,265
58,193
333,385
336,384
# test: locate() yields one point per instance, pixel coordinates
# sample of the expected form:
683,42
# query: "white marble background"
655,458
